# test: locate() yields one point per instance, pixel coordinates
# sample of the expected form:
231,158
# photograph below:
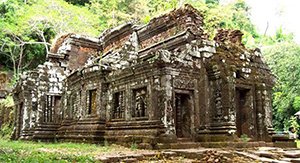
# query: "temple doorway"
183,108
242,111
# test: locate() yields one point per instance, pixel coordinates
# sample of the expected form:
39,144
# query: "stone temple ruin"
158,83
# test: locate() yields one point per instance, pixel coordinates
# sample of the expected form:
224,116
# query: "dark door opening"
242,112
57,101
183,115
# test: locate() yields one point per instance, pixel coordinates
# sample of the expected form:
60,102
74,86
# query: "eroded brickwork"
152,84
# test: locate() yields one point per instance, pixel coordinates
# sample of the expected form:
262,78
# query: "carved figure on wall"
140,107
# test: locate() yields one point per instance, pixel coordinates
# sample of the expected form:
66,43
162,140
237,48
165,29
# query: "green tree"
27,29
234,15
78,2
283,58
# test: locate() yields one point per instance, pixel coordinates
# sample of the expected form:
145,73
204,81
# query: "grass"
20,151
298,143
27,151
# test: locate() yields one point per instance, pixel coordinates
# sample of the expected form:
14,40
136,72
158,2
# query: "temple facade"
157,83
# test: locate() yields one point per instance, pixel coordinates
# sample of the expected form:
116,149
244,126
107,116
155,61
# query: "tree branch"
30,43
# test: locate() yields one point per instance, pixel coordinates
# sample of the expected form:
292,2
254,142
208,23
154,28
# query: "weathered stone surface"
292,154
159,83
226,155
297,160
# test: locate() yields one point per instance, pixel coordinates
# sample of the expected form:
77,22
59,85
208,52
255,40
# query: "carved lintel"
184,83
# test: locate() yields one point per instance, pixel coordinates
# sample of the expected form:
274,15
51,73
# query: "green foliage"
27,30
232,16
292,123
6,108
6,131
59,17
283,58
296,103
78,2
7,102
133,146
279,37
212,2
37,156
245,138
114,12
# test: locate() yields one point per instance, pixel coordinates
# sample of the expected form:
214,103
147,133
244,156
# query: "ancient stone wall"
38,93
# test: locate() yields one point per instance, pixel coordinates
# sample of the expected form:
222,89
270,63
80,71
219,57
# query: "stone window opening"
72,106
140,103
92,94
34,106
52,106
118,106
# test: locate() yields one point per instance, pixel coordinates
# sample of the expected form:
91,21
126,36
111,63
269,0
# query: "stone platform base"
261,154
187,145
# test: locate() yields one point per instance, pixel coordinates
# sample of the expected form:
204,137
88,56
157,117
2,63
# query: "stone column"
156,98
167,110
267,109
128,102
259,113
109,105
41,95
104,100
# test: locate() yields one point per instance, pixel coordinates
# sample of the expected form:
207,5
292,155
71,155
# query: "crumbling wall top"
186,9
228,35
158,29
60,41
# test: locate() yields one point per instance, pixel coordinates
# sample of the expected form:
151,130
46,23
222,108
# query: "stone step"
273,154
179,145
184,140
184,143
129,158
292,154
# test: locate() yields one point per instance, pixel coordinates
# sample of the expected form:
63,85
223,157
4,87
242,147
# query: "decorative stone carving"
140,102
119,107
184,83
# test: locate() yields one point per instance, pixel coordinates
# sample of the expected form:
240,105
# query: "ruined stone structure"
158,83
